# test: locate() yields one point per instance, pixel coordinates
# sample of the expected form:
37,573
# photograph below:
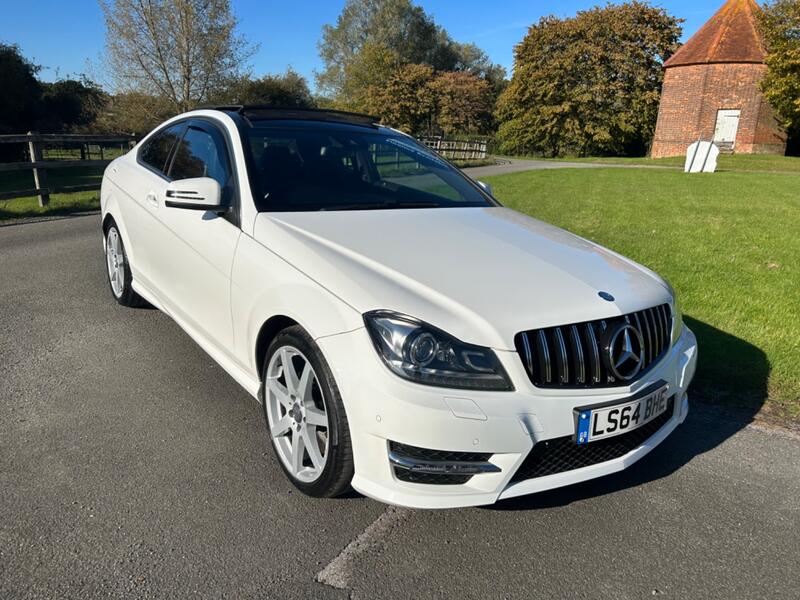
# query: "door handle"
152,200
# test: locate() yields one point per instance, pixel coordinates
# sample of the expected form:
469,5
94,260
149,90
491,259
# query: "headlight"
677,315
419,352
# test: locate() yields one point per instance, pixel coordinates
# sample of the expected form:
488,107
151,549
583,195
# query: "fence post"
39,175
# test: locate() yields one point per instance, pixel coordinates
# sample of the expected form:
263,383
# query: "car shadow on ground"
728,390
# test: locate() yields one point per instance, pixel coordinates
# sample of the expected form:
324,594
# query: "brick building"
711,91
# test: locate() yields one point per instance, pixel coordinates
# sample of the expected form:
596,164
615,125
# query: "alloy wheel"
296,413
115,261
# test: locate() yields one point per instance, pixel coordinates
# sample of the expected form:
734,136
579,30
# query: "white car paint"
480,274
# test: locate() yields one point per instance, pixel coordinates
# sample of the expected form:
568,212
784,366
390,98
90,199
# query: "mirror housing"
486,187
198,193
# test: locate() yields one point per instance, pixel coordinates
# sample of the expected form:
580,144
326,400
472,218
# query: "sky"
66,37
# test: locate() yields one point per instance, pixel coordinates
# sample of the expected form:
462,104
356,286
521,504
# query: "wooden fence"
457,149
38,145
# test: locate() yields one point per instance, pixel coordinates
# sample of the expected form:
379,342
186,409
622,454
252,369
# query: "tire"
118,268
294,407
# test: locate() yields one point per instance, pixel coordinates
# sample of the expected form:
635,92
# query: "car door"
193,258
145,182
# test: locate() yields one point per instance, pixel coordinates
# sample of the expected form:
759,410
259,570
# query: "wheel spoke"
281,426
316,417
280,392
289,373
298,449
306,383
313,449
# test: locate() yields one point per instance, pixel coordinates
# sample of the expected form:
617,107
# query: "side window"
156,150
201,154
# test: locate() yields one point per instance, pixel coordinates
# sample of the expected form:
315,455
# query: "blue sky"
66,36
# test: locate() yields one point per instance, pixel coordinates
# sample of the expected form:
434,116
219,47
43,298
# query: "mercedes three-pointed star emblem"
625,352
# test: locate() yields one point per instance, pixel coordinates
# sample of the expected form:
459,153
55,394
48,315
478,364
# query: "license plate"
607,421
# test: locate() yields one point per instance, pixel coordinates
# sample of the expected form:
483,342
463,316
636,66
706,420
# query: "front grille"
574,356
563,454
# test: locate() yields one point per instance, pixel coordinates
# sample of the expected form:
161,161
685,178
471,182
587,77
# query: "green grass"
728,242
727,162
59,203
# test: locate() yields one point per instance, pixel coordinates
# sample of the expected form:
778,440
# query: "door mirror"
198,193
486,187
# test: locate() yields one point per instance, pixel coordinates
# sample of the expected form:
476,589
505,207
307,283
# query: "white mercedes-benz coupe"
405,333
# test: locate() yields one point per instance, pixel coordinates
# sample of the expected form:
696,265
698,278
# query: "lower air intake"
558,455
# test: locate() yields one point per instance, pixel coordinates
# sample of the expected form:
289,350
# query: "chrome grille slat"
646,340
561,357
580,371
595,353
572,355
652,314
545,351
526,343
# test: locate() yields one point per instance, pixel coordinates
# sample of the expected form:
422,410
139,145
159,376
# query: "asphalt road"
131,465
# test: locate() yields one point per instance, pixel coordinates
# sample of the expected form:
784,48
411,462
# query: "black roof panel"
258,112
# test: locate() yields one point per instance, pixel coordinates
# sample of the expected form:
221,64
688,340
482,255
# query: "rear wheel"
118,268
305,416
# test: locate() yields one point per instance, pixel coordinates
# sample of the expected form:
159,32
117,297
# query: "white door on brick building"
727,126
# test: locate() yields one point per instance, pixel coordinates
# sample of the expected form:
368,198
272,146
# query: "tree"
464,102
134,113
289,90
589,84
22,92
70,104
406,101
372,39
780,25
181,50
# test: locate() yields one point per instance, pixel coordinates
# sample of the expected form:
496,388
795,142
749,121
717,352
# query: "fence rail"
457,149
36,143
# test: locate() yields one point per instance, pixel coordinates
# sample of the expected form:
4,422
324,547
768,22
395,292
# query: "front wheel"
305,416
118,268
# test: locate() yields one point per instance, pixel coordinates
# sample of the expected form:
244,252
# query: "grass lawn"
59,203
728,242
727,162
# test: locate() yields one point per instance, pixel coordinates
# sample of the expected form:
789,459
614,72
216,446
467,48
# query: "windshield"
340,169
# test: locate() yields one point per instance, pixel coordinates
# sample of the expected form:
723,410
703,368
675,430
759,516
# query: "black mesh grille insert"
574,356
563,454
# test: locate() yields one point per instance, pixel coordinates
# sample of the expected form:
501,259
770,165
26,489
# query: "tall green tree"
406,100
22,92
288,90
780,25
463,102
183,51
589,84
373,38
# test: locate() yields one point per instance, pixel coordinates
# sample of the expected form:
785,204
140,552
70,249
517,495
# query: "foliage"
372,39
181,50
70,104
21,91
780,25
464,102
133,113
289,90
406,101
589,84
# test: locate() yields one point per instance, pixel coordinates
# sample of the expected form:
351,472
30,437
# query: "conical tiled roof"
730,36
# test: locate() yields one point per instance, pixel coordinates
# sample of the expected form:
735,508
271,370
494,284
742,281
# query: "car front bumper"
382,407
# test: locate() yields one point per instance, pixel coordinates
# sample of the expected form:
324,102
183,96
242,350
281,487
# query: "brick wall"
692,95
